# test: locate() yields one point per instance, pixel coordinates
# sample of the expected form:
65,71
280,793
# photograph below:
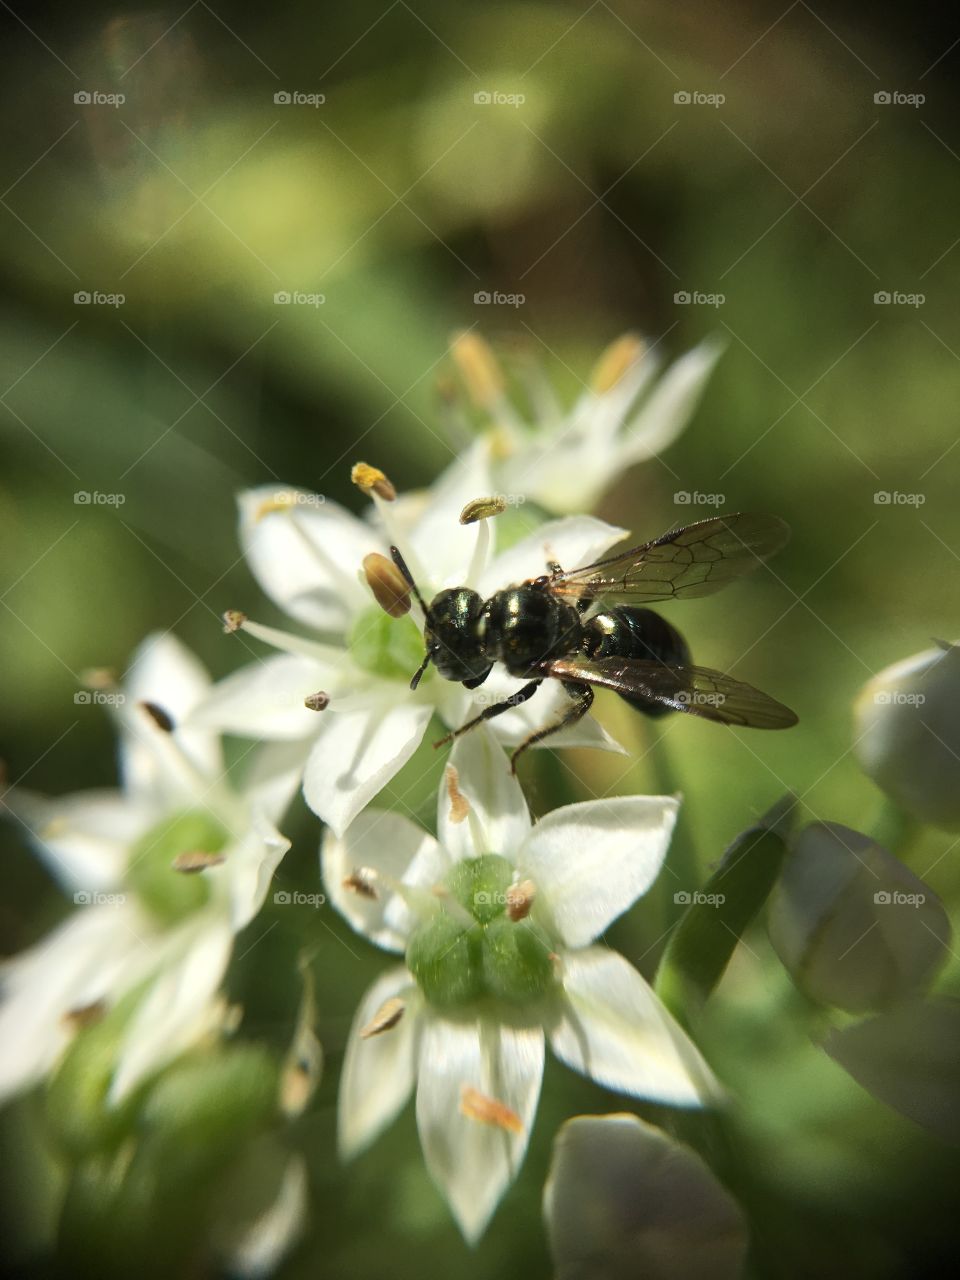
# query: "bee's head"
453,632
454,635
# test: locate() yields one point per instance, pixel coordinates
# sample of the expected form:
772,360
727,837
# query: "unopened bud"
372,480
390,589
483,509
479,369
615,361
478,1106
386,1017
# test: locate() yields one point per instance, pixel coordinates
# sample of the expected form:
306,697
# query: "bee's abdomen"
636,633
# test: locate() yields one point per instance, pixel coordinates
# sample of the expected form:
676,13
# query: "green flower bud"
516,961
385,646
172,894
480,885
907,730
443,956
853,926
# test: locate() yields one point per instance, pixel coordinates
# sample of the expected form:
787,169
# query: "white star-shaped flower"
307,555
165,871
497,918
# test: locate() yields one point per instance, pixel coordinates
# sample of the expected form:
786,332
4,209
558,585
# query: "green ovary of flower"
385,646
169,893
456,963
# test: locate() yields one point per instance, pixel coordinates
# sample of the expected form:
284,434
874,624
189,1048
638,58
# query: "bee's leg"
496,709
583,701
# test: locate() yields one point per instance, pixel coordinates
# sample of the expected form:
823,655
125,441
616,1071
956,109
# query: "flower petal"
255,1247
274,775
356,754
399,850
378,1072
440,542
95,955
307,554
473,1162
83,838
498,819
265,699
670,405
164,672
591,861
250,867
512,727
572,541
614,1029
179,1007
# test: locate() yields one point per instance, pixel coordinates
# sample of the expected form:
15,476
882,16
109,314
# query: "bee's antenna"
401,564
419,672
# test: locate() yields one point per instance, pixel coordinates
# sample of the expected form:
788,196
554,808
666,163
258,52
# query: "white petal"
163,671
265,698
614,1029
623,1199
356,754
276,769
473,1162
179,1006
400,851
83,838
94,955
671,404
512,727
307,555
440,542
591,861
498,820
256,1248
249,868
572,541
378,1073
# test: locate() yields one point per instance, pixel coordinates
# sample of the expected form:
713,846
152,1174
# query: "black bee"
540,629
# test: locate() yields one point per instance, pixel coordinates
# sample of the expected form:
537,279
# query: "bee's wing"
695,560
696,690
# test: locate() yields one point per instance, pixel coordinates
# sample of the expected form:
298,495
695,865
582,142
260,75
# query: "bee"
545,628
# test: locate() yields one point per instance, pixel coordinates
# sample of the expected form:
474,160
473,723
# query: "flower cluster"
497,918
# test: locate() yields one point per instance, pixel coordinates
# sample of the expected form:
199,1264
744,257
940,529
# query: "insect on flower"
543,629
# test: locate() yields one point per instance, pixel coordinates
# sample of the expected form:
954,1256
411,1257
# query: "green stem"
682,857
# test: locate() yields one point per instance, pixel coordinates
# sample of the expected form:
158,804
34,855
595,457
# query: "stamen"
459,804
615,361
358,882
520,899
286,641
233,620
371,480
318,701
478,1106
84,1016
99,678
282,500
304,1059
162,719
479,369
389,587
194,860
385,1019
483,509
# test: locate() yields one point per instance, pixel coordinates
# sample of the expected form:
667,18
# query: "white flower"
496,918
565,459
307,555
142,922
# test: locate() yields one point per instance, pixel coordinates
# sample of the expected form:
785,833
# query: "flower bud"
852,925
907,731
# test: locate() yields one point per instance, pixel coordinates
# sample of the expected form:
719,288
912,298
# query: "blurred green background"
599,198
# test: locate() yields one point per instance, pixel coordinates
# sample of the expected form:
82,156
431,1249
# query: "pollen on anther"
520,899
386,1017
372,480
318,701
479,1106
459,804
194,860
483,509
233,620
390,589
